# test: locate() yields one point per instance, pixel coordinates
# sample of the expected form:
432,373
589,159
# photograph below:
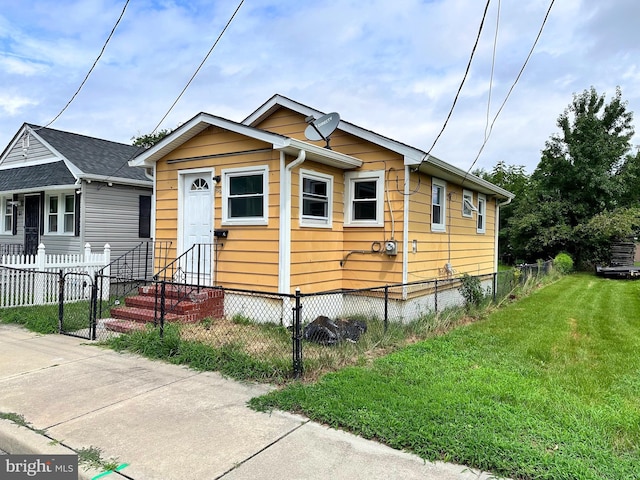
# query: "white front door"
196,227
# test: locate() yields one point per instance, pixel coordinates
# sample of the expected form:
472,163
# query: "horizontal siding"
461,245
111,216
248,257
36,151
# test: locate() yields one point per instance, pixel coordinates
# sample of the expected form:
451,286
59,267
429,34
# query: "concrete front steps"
181,306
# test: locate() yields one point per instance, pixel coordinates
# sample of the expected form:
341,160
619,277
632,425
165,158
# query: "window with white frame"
482,209
245,196
364,198
467,203
61,214
7,215
438,205
315,199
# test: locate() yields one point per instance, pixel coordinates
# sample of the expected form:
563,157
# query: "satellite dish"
322,128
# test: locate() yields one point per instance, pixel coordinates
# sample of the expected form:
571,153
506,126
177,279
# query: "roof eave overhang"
202,121
193,127
117,180
319,154
435,167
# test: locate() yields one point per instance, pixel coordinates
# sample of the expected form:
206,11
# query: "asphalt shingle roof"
45,175
94,155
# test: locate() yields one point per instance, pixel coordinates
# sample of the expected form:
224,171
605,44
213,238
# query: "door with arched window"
196,225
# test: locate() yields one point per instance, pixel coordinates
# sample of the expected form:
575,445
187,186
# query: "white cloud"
392,67
13,105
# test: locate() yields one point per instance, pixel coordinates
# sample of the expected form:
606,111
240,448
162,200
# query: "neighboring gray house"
64,190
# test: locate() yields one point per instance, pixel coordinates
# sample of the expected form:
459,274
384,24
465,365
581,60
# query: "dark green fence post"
435,295
60,301
93,309
495,285
162,307
297,338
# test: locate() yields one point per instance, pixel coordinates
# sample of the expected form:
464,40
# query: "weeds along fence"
261,335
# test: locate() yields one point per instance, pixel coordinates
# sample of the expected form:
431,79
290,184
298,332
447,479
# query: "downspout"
405,226
497,231
284,252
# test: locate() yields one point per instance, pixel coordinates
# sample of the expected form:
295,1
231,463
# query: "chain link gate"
76,304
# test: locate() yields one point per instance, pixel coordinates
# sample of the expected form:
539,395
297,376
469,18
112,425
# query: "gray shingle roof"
93,155
38,176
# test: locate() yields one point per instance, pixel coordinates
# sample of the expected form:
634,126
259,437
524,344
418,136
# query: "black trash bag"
325,331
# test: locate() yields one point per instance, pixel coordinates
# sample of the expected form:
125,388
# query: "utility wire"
486,139
90,70
493,66
464,78
200,66
187,85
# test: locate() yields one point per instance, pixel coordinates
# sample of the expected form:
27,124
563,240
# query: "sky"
392,67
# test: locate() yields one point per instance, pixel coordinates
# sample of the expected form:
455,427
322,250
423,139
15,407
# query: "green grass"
545,388
44,318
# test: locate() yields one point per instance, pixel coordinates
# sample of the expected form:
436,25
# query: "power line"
91,69
493,66
199,66
486,139
188,83
464,78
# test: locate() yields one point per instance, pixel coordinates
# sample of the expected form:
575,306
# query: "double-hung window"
482,209
61,214
245,196
438,205
7,216
364,195
315,199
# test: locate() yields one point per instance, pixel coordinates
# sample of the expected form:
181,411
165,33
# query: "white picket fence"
35,279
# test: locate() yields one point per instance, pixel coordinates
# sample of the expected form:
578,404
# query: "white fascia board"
320,154
192,128
45,188
279,101
412,156
117,180
42,161
434,166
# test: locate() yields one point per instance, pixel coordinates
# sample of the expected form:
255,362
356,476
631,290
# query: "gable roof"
94,157
72,157
415,157
203,120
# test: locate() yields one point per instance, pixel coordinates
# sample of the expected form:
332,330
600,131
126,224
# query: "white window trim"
228,173
467,197
60,214
442,226
482,213
3,204
349,179
311,221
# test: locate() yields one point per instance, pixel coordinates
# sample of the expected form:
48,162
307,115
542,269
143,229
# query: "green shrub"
563,263
471,291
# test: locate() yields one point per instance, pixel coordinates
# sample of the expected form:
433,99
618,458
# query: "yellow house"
285,212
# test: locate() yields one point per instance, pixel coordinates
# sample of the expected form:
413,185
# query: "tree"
514,179
150,139
584,170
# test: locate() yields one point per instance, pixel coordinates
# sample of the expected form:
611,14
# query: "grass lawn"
547,387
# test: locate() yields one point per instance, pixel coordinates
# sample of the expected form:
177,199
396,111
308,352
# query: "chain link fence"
253,334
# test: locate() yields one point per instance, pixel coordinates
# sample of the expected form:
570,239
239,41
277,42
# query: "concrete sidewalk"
168,422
